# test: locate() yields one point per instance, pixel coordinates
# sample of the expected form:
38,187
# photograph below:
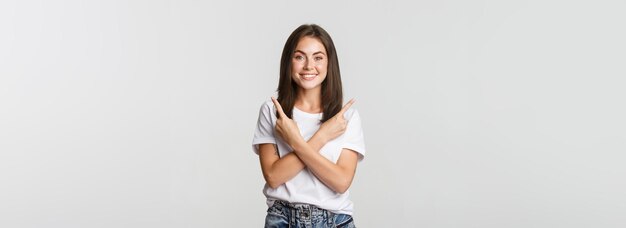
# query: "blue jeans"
300,215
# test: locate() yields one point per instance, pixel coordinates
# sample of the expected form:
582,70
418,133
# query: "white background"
476,113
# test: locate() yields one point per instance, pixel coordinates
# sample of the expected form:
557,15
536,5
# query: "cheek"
322,68
296,66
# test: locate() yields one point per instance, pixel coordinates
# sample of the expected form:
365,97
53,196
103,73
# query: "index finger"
347,106
278,107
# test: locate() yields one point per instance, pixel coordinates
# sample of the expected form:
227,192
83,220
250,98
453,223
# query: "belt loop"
292,219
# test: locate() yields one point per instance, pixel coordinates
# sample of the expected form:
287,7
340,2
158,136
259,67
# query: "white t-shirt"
305,187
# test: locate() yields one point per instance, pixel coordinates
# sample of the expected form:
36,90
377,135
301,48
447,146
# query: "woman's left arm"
337,177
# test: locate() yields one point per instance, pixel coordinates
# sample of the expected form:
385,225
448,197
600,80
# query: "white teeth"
308,76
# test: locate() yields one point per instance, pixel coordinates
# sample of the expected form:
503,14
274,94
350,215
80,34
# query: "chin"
307,86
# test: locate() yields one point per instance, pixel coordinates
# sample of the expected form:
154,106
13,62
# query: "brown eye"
319,58
298,57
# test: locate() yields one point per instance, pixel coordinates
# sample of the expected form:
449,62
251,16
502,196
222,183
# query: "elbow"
341,190
273,185
343,187
272,182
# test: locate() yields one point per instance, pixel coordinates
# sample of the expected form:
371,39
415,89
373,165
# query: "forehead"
310,45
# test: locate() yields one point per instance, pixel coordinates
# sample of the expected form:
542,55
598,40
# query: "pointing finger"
278,108
347,106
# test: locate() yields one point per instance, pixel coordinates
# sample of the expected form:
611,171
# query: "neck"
309,100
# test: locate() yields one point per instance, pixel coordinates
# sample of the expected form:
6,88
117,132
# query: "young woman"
308,144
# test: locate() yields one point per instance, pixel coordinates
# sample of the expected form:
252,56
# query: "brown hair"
332,93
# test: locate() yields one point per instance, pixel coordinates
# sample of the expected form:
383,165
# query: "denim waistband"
299,215
301,210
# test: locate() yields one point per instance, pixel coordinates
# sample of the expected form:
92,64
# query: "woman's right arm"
277,170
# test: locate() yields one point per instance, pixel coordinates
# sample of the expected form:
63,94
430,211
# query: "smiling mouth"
308,77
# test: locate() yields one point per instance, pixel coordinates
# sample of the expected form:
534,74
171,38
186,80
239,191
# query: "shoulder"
267,105
267,109
351,113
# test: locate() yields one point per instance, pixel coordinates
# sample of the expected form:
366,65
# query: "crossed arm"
277,170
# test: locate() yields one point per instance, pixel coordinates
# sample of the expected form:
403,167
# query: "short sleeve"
354,135
264,132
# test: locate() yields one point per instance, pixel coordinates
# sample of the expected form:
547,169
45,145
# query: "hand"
285,127
336,126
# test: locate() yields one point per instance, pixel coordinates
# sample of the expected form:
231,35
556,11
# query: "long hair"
332,92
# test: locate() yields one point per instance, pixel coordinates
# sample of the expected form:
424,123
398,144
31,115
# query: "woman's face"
309,63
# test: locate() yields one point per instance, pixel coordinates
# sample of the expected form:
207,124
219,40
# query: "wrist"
297,142
297,147
320,137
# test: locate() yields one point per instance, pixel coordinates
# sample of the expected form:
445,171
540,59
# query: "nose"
308,65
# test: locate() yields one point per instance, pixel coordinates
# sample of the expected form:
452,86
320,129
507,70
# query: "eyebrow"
319,52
